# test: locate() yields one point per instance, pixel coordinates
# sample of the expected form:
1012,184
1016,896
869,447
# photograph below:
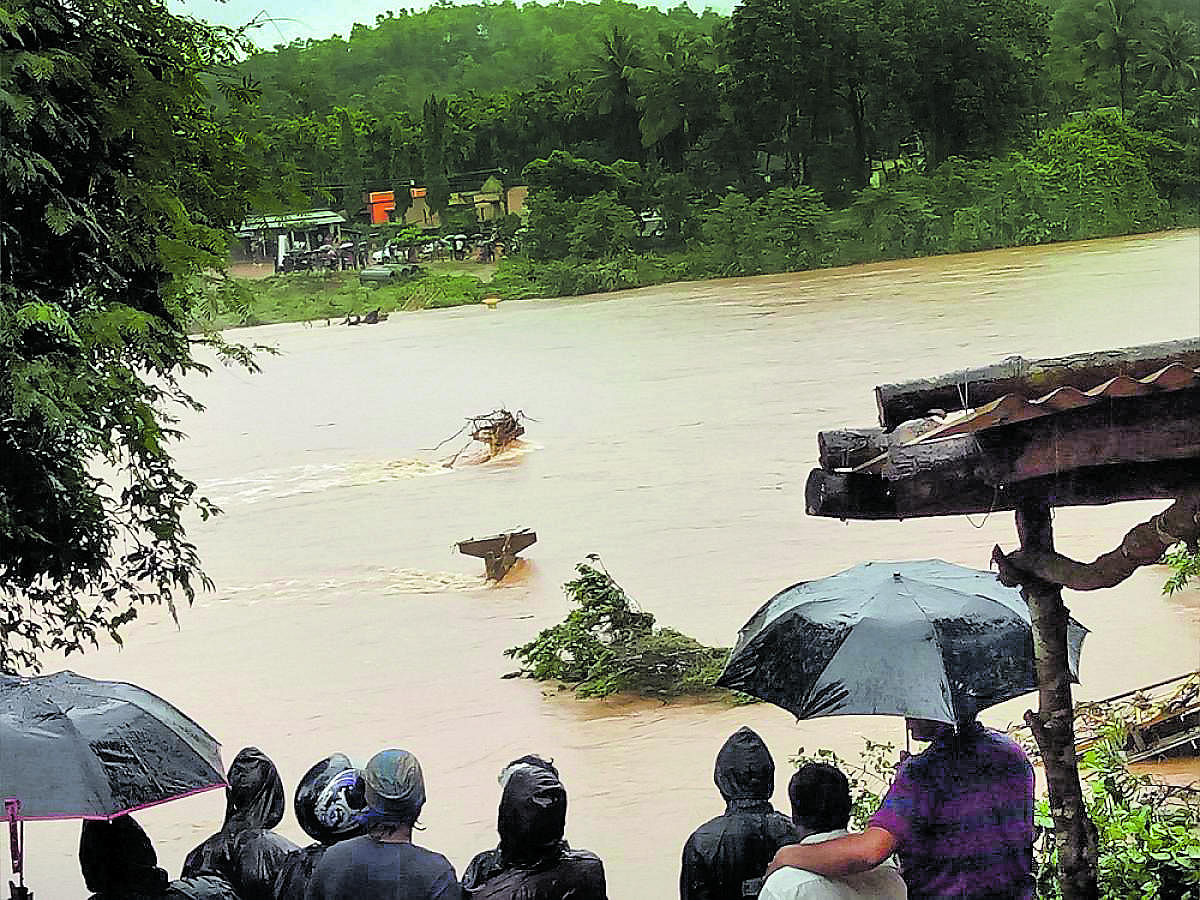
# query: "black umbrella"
74,748
923,639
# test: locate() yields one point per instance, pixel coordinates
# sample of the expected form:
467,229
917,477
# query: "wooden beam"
851,495
848,449
1143,545
971,388
1146,429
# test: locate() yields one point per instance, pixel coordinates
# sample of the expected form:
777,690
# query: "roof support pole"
1053,725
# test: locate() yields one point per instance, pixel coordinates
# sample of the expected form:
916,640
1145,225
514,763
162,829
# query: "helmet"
329,801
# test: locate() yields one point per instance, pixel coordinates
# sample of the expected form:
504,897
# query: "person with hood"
384,863
533,862
246,852
727,857
119,863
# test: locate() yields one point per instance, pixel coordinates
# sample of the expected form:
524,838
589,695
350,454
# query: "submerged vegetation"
606,645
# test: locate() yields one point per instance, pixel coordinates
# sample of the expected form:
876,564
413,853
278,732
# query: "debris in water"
498,551
496,430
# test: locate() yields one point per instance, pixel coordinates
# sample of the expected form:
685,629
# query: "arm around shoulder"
840,857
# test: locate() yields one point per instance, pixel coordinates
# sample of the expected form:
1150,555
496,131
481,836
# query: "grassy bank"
306,296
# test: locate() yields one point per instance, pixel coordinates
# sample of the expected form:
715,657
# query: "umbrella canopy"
924,639
73,748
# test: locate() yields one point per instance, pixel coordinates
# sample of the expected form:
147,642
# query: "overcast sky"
321,18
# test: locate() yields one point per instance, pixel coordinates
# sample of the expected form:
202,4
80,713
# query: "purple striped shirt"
962,814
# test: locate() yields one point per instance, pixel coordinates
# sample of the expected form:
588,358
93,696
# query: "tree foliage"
118,184
607,645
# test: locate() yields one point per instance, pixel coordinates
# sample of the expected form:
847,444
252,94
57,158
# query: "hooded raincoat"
119,863
725,858
533,862
245,851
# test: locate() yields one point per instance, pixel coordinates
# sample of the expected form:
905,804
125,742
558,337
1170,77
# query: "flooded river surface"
674,429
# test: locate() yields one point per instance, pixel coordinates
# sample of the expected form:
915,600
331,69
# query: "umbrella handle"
12,806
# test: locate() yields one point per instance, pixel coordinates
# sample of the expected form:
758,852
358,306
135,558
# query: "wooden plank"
1134,430
970,388
849,495
850,448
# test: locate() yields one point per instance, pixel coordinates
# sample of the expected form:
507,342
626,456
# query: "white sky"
321,18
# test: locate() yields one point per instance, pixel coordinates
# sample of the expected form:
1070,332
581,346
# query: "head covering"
117,857
532,816
254,798
330,805
528,760
744,769
394,787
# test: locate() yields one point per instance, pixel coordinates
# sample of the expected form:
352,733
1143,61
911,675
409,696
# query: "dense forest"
917,125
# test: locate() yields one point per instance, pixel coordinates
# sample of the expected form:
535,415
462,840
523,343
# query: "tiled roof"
1012,408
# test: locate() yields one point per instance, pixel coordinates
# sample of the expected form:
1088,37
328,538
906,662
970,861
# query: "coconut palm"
1170,58
610,88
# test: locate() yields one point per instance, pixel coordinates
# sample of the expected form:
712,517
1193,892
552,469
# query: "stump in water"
497,429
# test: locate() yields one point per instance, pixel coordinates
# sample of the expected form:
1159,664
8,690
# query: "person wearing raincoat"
119,863
246,852
533,862
727,857
330,807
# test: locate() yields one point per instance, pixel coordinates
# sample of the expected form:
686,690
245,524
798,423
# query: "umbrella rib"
937,638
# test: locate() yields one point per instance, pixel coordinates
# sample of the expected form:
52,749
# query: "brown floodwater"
674,429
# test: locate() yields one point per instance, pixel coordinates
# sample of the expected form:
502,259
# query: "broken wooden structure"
1029,436
498,551
497,429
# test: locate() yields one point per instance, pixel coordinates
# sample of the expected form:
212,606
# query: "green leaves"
607,645
117,182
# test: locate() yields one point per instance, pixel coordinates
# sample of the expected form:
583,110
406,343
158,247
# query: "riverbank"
319,296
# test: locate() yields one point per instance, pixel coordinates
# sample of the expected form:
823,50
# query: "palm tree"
610,88
1170,58
1118,25
676,96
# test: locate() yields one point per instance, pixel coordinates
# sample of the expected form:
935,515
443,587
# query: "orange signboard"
381,203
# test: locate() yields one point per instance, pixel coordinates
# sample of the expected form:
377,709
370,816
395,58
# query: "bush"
1149,832
606,645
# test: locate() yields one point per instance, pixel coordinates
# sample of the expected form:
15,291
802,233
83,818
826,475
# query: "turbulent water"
675,427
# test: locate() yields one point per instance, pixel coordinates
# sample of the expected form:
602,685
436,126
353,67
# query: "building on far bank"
487,205
266,238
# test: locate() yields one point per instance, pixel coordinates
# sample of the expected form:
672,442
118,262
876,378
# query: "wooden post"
1053,725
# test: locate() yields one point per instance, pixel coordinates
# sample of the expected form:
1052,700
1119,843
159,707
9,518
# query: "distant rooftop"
312,218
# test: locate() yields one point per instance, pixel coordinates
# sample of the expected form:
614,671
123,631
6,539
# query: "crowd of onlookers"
958,816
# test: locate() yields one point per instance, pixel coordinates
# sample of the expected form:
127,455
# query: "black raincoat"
725,858
245,851
119,863
533,862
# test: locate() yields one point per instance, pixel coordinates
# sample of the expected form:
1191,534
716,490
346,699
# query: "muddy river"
674,429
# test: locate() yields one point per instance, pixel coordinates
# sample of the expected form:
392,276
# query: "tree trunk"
1053,725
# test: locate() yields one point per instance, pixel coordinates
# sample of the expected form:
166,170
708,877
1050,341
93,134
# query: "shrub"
606,645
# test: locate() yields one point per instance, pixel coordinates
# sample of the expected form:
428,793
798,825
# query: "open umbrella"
924,639
75,748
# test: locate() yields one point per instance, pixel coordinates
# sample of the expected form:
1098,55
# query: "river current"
672,430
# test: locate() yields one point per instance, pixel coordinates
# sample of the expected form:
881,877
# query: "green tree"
1169,61
610,86
437,180
969,73
603,226
119,182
